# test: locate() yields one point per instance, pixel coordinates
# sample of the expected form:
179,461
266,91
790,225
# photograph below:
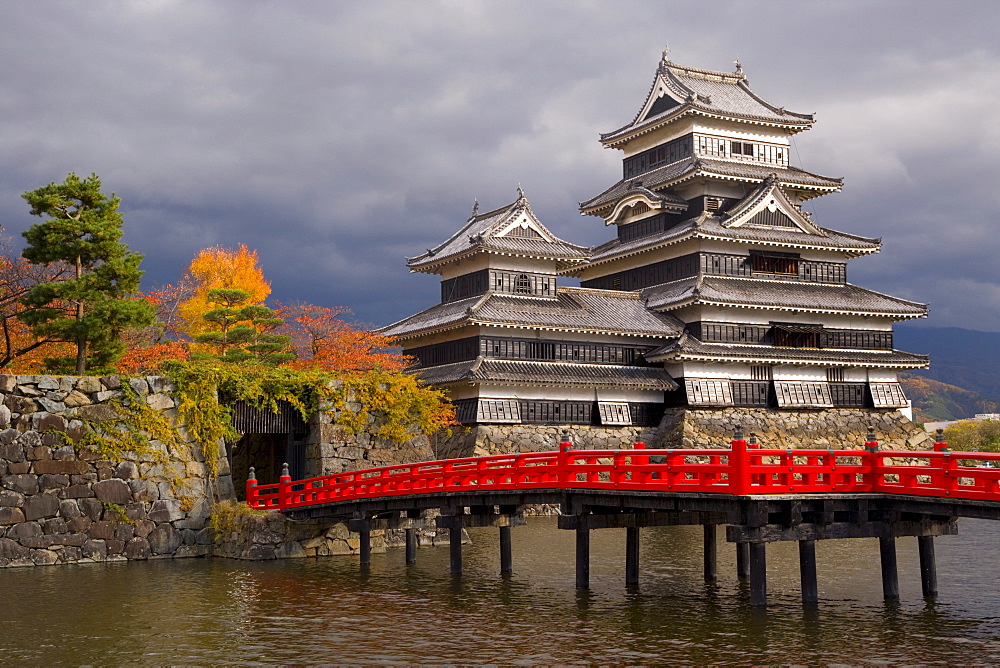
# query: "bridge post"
711,551
506,553
455,547
928,565
582,557
411,546
743,560
807,571
631,556
365,546
758,575
890,576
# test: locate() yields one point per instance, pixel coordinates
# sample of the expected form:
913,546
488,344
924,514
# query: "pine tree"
95,305
243,331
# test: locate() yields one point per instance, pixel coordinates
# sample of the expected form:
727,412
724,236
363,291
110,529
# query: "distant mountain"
965,362
934,400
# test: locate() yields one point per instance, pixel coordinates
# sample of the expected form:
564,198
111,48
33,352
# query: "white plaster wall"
788,372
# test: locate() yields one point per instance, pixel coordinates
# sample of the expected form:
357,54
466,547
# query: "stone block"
64,466
5,416
65,453
126,470
44,557
135,511
95,549
89,384
160,384
40,505
205,536
20,405
39,452
11,499
92,508
72,539
8,435
160,402
49,482
124,532
79,524
138,548
80,491
100,412
37,542
9,515
12,550
143,528
18,468
29,390
21,483
165,510
8,383
164,539
48,383
291,550
55,525
76,398
67,383
115,546
139,385
144,490
51,406
12,452
50,422
69,509
113,491
24,530
104,530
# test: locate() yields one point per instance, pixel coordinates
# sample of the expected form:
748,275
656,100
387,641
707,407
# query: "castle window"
797,336
760,373
774,263
614,413
522,284
835,375
741,148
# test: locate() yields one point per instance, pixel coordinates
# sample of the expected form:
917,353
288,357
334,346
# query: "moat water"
327,610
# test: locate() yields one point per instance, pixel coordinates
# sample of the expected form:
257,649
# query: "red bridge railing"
743,469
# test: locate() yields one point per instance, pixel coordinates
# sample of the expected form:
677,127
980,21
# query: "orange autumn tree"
220,268
323,340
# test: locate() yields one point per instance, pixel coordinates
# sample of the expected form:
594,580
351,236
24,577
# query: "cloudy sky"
337,138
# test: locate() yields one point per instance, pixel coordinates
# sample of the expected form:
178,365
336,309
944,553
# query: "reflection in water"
328,610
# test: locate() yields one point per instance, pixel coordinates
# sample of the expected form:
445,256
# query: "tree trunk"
81,338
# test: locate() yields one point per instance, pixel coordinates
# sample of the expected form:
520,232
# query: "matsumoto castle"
720,301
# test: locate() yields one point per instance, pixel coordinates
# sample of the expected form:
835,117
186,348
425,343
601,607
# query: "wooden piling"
807,571
710,553
928,565
632,556
743,560
365,546
890,575
455,549
758,575
411,546
582,558
506,554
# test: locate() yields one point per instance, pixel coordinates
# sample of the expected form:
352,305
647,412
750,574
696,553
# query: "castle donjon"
719,303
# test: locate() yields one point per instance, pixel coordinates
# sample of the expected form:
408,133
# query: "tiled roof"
478,235
711,227
790,295
711,93
690,167
689,348
574,309
548,373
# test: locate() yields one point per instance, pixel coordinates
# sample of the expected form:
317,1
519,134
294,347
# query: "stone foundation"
257,537
697,428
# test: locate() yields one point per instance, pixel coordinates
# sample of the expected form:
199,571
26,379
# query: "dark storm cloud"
338,138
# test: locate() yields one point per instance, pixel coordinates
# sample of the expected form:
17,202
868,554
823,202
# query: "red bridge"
762,495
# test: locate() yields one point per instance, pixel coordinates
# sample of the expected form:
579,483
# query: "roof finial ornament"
739,65
520,192
666,53
475,207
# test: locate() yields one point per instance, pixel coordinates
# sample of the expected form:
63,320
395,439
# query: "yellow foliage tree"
220,268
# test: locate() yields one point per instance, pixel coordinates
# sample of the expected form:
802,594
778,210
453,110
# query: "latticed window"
774,264
835,375
522,284
760,373
613,412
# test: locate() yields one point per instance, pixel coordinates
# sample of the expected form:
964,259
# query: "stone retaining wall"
63,503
